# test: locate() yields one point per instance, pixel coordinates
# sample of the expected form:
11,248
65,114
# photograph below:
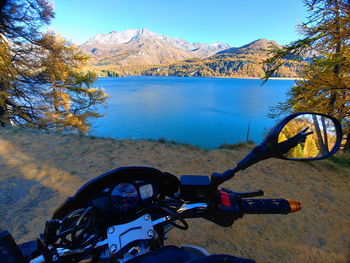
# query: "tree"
20,24
42,83
69,94
324,84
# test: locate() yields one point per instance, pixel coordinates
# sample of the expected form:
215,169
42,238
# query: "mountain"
142,52
141,46
244,61
257,47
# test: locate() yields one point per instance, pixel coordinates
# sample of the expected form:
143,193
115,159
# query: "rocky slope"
141,46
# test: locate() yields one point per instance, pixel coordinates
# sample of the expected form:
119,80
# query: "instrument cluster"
125,196
120,193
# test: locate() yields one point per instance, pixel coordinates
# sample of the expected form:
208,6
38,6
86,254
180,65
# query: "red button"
225,199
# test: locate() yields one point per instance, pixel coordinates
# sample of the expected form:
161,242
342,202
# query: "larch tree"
324,81
72,99
20,24
42,83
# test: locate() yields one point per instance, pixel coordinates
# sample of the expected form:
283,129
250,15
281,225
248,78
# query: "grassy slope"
38,171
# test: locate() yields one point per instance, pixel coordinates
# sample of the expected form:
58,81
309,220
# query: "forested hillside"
216,66
245,61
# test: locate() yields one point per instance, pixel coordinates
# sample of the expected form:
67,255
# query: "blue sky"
236,22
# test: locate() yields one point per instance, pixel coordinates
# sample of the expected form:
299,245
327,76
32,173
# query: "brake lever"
244,194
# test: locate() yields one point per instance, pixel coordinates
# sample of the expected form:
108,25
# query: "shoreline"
216,77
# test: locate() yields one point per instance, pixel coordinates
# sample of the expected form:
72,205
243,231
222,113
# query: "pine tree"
324,84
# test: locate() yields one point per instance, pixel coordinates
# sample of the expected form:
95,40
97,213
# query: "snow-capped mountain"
116,37
141,46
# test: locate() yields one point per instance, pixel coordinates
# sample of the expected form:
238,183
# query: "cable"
176,216
77,228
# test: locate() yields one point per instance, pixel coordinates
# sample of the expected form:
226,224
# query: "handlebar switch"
226,210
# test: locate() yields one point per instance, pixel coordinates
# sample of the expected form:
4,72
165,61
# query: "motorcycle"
125,214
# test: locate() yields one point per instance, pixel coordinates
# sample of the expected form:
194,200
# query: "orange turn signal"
294,205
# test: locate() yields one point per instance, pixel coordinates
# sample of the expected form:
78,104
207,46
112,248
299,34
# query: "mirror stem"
217,179
259,153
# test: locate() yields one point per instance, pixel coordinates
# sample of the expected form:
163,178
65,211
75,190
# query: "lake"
206,112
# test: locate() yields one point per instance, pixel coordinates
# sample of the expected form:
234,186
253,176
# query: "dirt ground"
39,171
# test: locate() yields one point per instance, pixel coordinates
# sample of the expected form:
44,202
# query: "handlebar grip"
270,206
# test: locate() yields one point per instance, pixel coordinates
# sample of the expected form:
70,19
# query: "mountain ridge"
148,47
142,52
259,46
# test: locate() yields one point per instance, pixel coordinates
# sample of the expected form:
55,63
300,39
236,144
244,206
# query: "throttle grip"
270,206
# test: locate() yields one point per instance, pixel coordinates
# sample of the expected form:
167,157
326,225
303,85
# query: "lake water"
206,112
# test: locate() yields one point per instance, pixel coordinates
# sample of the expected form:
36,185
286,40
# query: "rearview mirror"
299,136
305,136
308,136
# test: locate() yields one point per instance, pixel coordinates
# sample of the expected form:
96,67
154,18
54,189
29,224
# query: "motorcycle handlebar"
270,206
103,243
248,206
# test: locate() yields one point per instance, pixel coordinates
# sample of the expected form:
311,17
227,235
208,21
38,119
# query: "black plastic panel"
167,184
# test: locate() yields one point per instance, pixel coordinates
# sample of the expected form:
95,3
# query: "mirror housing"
276,147
271,147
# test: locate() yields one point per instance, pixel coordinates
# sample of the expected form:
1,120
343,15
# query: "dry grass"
39,171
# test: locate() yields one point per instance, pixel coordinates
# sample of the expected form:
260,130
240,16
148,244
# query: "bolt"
111,230
113,248
50,247
146,217
150,233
